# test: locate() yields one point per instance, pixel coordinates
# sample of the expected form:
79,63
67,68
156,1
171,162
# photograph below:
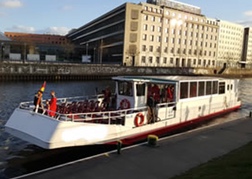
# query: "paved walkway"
173,155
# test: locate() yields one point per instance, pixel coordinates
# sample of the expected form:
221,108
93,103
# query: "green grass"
234,165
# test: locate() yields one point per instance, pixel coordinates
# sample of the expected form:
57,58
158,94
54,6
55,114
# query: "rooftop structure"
176,5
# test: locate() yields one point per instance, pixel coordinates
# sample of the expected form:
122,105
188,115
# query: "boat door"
140,90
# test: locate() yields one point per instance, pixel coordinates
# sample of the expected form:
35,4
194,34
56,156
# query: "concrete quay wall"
56,71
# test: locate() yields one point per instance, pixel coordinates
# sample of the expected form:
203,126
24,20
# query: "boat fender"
125,104
137,121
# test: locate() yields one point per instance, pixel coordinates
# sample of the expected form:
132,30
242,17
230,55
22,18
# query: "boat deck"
173,155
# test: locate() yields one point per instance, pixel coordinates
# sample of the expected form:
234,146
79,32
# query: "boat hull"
49,133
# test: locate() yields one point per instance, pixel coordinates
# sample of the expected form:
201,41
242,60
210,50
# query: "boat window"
201,88
221,87
193,89
125,88
167,93
140,88
231,87
215,87
228,87
208,87
154,89
183,90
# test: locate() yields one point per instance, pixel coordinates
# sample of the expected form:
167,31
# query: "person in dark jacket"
39,107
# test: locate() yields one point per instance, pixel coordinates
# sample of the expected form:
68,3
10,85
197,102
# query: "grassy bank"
234,165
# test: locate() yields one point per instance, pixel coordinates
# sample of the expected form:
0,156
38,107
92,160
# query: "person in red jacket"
52,105
170,93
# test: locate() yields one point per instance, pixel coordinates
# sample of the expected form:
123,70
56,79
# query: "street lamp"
2,51
94,55
86,49
24,53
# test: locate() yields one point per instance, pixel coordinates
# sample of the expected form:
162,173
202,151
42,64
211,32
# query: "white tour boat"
139,106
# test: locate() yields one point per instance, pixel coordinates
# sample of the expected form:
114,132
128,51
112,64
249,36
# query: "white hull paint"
51,133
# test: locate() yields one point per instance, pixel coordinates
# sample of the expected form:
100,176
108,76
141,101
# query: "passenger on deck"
39,107
170,93
52,105
107,96
149,90
151,103
155,89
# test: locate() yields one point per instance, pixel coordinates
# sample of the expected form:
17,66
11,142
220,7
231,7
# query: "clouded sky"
60,16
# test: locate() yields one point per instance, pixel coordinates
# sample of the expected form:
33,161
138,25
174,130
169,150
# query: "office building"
247,47
163,33
230,43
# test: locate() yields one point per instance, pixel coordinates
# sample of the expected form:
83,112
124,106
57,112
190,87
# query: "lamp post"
2,51
101,51
94,55
86,49
24,53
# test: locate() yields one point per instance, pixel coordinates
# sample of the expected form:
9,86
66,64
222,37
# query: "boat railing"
102,117
29,104
169,104
84,109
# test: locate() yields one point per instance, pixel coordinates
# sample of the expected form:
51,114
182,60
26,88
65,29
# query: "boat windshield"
125,88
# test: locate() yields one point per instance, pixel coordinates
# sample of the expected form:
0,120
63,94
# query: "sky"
60,16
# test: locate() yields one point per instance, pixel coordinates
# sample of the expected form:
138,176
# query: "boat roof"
164,79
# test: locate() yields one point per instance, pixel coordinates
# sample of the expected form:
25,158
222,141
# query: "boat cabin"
133,92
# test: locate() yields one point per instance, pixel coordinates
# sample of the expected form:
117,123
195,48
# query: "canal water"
18,157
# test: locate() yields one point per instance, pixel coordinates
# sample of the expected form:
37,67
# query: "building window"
171,60
150,60
166,49
144,48
165,60
172,50
144,36
143,59
179,41
199,62
173,40
167,39
151,38
151,48
145,27
152,28
184,51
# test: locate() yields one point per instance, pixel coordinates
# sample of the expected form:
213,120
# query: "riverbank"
68,72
